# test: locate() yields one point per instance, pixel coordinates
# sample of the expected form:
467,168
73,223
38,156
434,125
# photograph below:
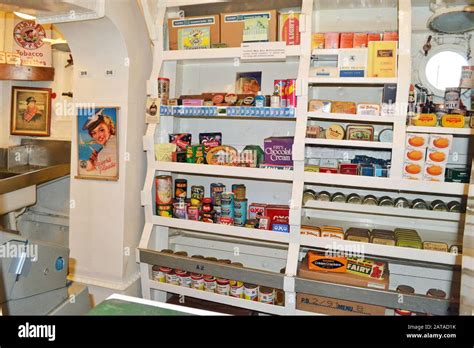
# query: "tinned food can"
197,195
308,195
291,93
454,207
227,206
354,198
223,286
266,295
236,289
251,292
193,213
401,202
324,196
180,210
164,89
408,290
180,189
280,89
240,212
370,200
216,192
164,189
210,283
197,281
161,275
165,210
419,204
172,278
386,201
338,197
184,278
239,191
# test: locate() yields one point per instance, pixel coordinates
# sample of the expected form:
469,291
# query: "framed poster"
31,111
97,141
248,82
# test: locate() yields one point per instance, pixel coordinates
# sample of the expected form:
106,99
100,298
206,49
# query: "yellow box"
425,120
453,121
382,61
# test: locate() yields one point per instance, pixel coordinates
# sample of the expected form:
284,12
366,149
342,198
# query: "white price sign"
264,51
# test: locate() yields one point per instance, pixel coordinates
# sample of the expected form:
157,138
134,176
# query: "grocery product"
289,27
382,59
278,150
176,24
324,263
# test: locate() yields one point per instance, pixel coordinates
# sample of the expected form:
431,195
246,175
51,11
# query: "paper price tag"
263,51
153,106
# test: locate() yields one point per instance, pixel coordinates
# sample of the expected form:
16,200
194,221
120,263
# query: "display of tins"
165,210
184,278
266,295
332,232
401,202
180,189
386,135
159,273
164,189
406,290
324,196
180,210
386,201
354,198
438,205
231,98
454,207
419,204
227,206
240,212
197,281
308,195
310,230
206,205
370,200
210,283
239,191
383,237
408,238
338,197
216,192
250,292
360,132
436,293
193,213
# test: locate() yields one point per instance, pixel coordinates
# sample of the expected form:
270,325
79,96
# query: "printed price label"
264,51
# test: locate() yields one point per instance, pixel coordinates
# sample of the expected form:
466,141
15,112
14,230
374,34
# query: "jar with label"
197,281
404,290
223,286
184,278
236,289
210,283
155,272
251,292
265,295
162,273
172,278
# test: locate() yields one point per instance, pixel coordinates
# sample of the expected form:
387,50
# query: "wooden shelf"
349,143
26,73
377,81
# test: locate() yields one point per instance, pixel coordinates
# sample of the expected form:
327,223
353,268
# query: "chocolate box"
278,150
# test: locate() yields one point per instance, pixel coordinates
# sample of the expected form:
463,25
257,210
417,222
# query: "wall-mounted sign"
28,43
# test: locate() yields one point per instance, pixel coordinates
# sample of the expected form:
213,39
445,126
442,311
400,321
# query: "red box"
347,40
278,214
360,40
348,168
373,37
390,36
331,40
328,170
225,220
257,210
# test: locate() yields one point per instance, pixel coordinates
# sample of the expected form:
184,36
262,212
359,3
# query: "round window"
442,69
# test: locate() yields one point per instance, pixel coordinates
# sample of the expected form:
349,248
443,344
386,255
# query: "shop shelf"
227,300
217,53
244,274
352,80
225,230
448,188
349,143
227,171
391,211
26,73
441,130
385,298
351,117
428,256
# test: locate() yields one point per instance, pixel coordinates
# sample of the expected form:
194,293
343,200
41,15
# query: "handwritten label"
264,51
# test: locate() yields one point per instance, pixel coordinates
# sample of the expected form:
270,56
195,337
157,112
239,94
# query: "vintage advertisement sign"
28,43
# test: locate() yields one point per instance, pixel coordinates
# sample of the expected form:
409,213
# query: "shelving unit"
159,231
440,130
26,73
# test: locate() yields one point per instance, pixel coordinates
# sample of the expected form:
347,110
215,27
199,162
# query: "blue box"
281,228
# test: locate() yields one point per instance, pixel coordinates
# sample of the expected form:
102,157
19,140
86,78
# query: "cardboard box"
441,141
414,169
175,24
289,28
373,37
232,26
434,172
415,155
343,278
317,41
437,156
333,306
390,36
346,40
331,40
352,62
278,150
360,40
383,59
417,140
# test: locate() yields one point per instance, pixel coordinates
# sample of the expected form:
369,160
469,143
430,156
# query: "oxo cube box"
279,151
